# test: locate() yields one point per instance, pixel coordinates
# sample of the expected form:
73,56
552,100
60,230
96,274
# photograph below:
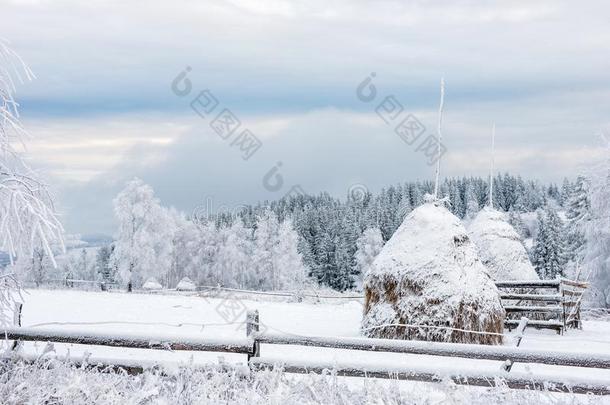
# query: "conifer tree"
548,255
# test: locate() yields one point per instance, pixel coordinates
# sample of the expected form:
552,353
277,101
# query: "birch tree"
27,214
143,248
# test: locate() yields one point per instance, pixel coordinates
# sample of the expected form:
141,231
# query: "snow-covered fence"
215,290
461,350
430,374
558,310
148,341
74,283
250,346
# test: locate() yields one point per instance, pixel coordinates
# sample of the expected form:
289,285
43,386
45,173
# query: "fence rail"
514,381
461,350
158,342
251,346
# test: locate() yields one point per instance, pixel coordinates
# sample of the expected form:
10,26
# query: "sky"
103,110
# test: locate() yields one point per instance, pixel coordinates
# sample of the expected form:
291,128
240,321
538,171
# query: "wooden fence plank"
462,377
462,350
159,342
531,297
533,308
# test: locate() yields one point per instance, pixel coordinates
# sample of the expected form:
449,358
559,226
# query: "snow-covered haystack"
152,284
186,285
428,276
500,247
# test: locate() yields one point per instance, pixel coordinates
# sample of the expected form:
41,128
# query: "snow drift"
500,247
428,276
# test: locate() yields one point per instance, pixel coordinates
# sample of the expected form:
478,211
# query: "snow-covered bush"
429,281
500,247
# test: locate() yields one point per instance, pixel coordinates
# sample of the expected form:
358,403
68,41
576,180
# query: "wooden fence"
252,343
553,304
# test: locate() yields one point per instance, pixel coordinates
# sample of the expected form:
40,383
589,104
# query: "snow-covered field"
224,317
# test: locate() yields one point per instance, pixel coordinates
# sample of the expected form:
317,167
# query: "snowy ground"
220,317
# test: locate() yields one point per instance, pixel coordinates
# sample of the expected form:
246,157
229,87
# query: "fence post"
253,326
508,364
17,322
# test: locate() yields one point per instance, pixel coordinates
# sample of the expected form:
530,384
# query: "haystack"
152,284
428,276
186,285
500,248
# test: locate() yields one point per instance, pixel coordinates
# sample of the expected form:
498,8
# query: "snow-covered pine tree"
515,220
548,255
457,200
472,203
143,246
102,264
404,208
566,191
578,215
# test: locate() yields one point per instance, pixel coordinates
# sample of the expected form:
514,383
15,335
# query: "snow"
500,248
439,280
215,318
186,285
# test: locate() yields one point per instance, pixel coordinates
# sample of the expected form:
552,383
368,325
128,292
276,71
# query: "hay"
428,275
186,285
152,284
500,247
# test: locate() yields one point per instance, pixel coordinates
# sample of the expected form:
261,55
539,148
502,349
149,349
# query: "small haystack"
500,247
152,284
428,276
186,285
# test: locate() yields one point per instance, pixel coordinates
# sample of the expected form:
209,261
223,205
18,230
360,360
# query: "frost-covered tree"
368,246
566,191
143,246
471,203
265,238
286,257
34,268
597,230
103,267
233,261
515,220
276,260
328,228
577,214
27,216
548,255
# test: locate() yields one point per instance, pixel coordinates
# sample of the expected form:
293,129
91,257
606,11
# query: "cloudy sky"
102,109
